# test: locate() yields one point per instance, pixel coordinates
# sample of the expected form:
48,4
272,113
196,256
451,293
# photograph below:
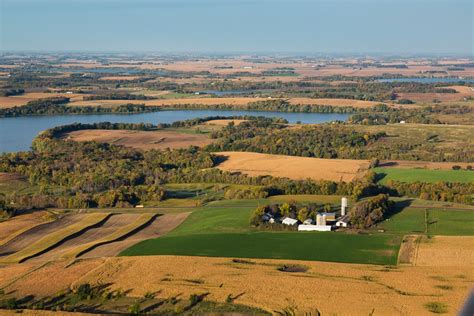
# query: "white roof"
344,219
289,221
320,228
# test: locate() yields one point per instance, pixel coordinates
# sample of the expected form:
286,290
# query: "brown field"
21,223
76,244
429,97
446,251
224,122
120,78
144,140
18,100
405,164
112,224
36,233
355,289
157,228
334,102
297,168
231,101
10,177
162,102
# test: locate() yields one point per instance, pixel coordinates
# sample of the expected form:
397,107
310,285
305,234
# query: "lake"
427,80
17,133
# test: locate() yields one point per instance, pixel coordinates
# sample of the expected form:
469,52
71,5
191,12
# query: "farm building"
308,221
289,221
343,221
330,217
319,228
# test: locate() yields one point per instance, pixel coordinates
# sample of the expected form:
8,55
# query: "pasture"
297,168
144,140
423,175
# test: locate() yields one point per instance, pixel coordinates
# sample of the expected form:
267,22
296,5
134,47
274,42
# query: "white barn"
343,221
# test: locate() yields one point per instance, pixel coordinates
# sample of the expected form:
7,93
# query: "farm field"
237,101
56,237
428,139
93,234
15,226
445,251
363,287
375,249
19,100
406,164
256,164
424,175
453,223
144,140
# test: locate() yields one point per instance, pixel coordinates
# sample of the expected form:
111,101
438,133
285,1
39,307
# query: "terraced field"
93,234
55,238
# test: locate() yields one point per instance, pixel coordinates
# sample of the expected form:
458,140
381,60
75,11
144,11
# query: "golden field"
292,167
332,288
144,140
18,100
228,100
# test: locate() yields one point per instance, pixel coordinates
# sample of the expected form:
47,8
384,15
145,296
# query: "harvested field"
297,168
124,78
21,223
74,245
236,101
18,100
430,96
446,251
408,249
362,288
335,102
145,140
163,102
224,122
139,222
157,228
405,164
39,246
38,232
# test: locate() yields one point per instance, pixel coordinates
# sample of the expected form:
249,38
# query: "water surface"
17,133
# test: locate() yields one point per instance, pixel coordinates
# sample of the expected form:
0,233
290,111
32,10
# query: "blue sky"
340,26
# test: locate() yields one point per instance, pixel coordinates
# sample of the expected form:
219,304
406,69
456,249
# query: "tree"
303,214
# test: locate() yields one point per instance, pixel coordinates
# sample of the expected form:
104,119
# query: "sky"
235,26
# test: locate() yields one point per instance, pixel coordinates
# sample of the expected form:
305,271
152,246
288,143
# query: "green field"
408,221
335,247
222,229
423,175
450,223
